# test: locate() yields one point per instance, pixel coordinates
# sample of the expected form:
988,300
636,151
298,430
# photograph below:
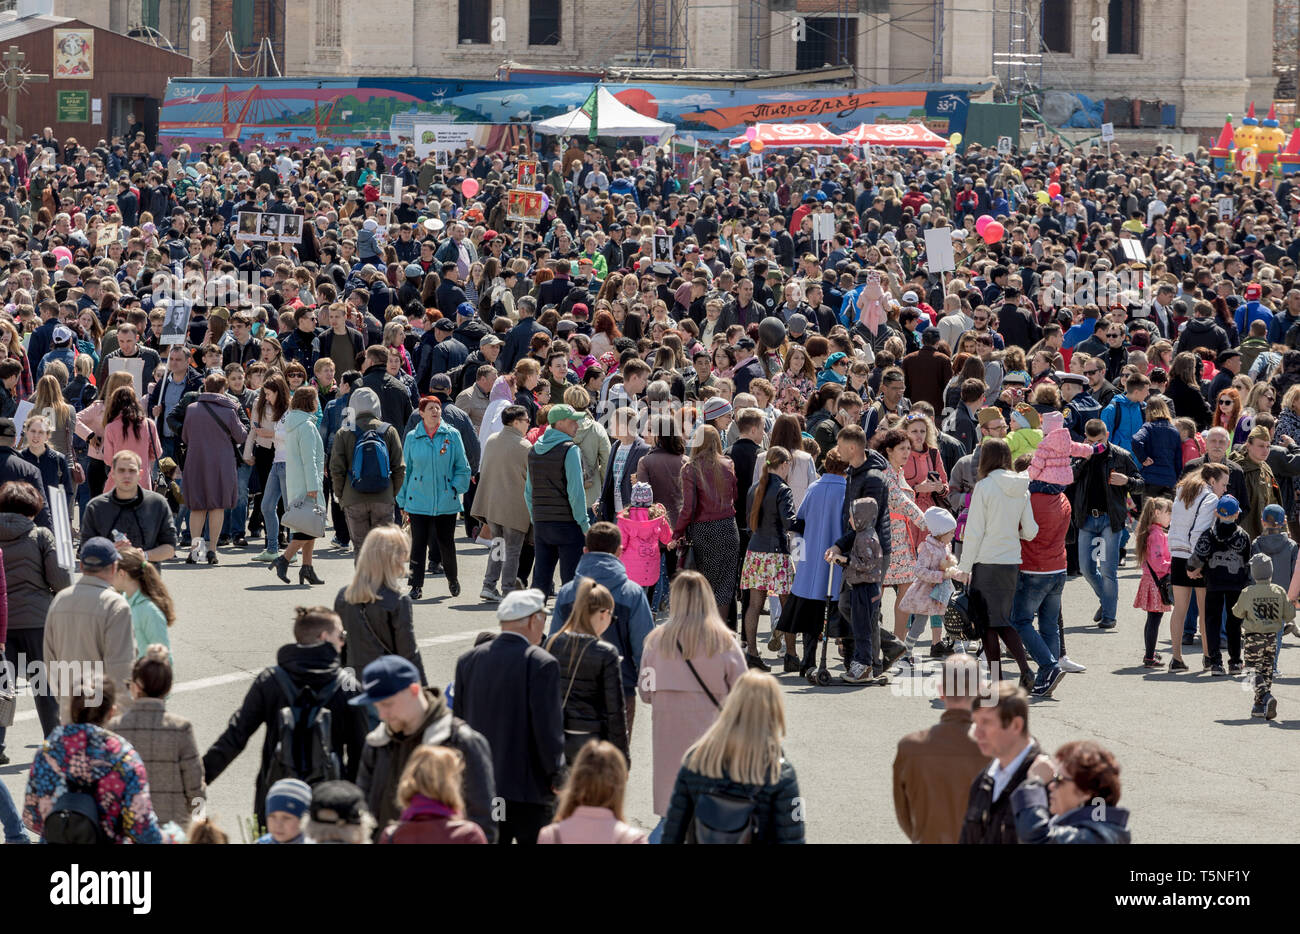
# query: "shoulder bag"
700,681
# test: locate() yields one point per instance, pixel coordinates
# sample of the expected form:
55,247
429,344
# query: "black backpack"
303,746
74,820
723,818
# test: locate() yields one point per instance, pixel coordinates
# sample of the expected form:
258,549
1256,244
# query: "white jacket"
1000,516
1187,524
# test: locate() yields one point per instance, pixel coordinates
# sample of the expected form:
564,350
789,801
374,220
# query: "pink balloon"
469,187
993,232
751,132
981,222
63,253
546,202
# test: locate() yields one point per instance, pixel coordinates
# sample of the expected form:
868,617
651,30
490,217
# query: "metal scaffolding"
1018,47
661,33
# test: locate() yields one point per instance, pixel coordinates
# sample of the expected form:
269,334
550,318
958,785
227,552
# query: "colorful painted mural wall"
337,112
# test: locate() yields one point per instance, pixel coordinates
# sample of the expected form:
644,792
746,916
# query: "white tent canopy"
613,118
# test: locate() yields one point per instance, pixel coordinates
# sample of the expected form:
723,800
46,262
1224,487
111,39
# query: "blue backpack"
371,471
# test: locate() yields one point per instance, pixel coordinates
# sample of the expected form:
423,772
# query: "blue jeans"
275,489
1099,561
555,541
237,518
1039,595
10,820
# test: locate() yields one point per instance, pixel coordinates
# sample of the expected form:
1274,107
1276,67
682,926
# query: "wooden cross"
15,79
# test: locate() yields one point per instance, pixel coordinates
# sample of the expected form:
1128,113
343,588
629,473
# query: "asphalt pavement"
1195,766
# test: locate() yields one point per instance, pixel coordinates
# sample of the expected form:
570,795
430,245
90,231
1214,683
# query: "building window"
329,24
1056,25
544,22
474,22
1122,28
149,14
830,40
241,21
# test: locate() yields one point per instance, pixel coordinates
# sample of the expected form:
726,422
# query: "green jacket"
304,457
1264,608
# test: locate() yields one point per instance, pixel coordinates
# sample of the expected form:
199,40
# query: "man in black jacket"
866,478
1015,325
394,401
508,689
13,466
1002,731
520,336
1099,506
312,666
413,716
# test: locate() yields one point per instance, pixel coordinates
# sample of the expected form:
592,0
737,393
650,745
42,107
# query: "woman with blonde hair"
739,758
376,613
688,667
590,684
48,401
429,793
591,803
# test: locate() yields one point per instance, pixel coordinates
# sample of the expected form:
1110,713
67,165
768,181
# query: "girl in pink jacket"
643,526
1051,463
1152,538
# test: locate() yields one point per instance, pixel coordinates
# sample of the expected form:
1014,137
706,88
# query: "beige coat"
681,709
88,623
503,469
171,756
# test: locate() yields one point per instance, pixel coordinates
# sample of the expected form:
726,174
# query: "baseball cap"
909,298
62,335
337,803
520,604
444,324
1228,507
560,413
1275,514
414,271
466,310
98,553
490,340
440,382
384,677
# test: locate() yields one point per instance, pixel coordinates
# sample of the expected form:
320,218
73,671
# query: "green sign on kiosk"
73,107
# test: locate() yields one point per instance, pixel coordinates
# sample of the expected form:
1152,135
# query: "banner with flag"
589,108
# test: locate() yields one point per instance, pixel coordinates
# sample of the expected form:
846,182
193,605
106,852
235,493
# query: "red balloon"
1053,189
993,232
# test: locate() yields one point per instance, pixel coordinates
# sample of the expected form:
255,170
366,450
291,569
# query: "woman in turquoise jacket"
304,470
437,475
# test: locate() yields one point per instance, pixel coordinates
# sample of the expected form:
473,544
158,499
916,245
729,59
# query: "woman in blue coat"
437,476
1158,448
304,472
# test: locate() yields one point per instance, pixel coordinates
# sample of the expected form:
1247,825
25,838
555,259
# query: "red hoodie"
1045,553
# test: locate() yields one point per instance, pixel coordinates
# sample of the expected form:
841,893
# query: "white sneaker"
490,594
857,673
1072,667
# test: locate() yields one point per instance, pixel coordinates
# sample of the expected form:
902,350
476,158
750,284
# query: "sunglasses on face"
1225,403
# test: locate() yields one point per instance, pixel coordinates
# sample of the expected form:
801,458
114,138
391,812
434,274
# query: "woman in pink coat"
127,429
688,666
644,527
591,804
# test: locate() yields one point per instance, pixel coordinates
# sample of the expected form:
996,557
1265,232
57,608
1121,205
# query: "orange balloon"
757,145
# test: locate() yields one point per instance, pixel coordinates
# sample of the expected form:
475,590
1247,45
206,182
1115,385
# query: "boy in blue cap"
1222,558
287,802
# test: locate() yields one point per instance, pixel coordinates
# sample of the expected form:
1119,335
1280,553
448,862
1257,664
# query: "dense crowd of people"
660,448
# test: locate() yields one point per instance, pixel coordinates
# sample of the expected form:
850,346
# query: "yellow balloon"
1042,197
955,139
